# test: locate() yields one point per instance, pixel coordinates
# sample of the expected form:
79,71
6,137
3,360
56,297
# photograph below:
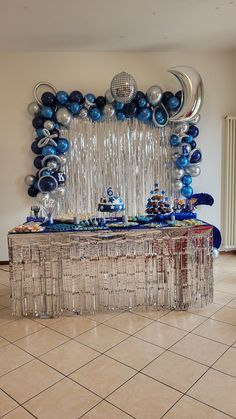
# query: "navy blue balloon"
75,108
120,116
48,99
130,109
160,116
193,144
40,133
38,162
95,114
173,103
47,183
48,149
77,96
62,145
38,122
139,95
62,97
187,191
60,177
100,102
145,115
187,180
179,94
90,97
47,112
119,106
142,102
188,139
32,192
182,162
174,140
165,97
55,131
193,130
196,157
35,148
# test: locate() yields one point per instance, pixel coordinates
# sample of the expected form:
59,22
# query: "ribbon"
48,139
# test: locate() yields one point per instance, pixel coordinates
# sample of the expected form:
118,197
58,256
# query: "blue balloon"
90,97
142,102
193,144
160,116
40,133
144,114
173,103
45,172
179,94
166,96
47,183
62,97
188,139
119,106
35,185
47,112
139,95
62,145
35,148
187,180
48,149
75,108
48,99
196,157
174,140
130,109
60,177
182,162
95,114
187,191
38,122
77,96
32,192
120,116
38,162
193,130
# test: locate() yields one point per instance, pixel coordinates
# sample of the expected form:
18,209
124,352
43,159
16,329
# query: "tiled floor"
172,365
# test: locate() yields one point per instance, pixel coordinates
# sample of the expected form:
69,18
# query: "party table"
88,272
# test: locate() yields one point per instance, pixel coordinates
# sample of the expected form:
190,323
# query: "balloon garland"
54,111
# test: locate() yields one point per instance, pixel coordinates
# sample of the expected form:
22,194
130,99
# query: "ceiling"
117,25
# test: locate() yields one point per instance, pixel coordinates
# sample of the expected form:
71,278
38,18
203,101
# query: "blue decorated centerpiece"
110,202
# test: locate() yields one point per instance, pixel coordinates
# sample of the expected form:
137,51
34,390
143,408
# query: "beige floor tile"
206,311
69,357
3,342
219,275
128,322
232,303
65,399
226,314
27,381
217,390
72,326
161,334
182,319
188,408
18,329
40,342
5,300
102,338
222,298
227,285
5,316
175,371
4,290
6,404
152,314
135,352
103,317
103,375
143,397
227,363
199,349
19,413
12,357
219,331
105,410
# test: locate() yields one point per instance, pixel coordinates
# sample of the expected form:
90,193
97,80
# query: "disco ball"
123,87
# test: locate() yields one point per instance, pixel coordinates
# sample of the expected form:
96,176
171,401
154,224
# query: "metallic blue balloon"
90,97
188,139
48,149
75,108
173,103
47,112
40,133
38,122
145,114
142,102
119,106
182,162
193,130
187,180
120,116
187,191
160,116
139,95
62,145
48,99
174,140
165,97
62,97
77,96
130,109
95,114
47,183
196,157
193,144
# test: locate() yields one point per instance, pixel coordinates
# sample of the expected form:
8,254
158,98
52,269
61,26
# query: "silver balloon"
181,129
49,125
29,180
177,173
215,253
193,170
123,87
52,165
59,192
154,95
192,97
108,96
33,108
43,197
196,119
63,116
83,113
34,135
63,160
108,111
177,185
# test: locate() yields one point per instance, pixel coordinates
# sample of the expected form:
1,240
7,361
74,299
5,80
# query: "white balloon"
215,253
177,184
177,173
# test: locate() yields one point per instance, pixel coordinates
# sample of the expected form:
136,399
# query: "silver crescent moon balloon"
193,91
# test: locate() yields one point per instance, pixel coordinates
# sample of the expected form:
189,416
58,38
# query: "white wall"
93,73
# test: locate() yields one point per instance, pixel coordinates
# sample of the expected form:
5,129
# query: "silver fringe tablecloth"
89,272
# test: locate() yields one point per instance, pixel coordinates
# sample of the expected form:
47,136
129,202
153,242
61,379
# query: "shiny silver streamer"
128,156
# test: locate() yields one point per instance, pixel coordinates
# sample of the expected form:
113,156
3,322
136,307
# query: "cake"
110,202
158,202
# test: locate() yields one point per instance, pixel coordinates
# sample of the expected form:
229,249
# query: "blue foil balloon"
188,139
90,97
144,115
62,97
119,106
47,183
62,145
60,177
142,102
47,112
174,140
182,162
193,130
173,103
48,149
187,180
196,156
75,108
120,116
95,114
187,191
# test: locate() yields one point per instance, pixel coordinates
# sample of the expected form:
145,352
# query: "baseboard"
4,262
